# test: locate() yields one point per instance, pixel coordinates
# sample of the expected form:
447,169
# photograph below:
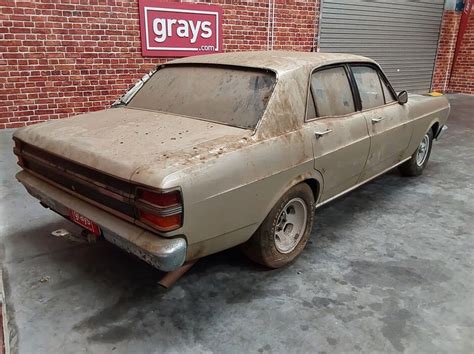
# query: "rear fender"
310,175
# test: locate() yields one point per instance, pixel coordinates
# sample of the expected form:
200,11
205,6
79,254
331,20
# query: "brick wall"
462,76
64,57
446,46
61,58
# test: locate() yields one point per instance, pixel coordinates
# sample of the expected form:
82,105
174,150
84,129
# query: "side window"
368,83
331,93
387,93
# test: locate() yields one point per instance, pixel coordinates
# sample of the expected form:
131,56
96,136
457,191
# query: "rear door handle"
320,134
376,120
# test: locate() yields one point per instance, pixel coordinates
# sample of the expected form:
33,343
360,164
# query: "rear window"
230,96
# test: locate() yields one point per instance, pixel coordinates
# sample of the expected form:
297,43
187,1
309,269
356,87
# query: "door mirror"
403,97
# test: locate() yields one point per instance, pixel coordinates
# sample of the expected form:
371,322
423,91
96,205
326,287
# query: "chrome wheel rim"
422,151
291,225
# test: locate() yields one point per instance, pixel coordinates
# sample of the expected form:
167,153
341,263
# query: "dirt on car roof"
278,61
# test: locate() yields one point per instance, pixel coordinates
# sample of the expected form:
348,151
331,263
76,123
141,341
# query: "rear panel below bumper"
165,254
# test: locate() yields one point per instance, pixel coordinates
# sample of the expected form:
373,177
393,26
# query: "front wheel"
419,159
285,231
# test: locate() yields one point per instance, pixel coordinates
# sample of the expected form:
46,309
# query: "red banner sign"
179,29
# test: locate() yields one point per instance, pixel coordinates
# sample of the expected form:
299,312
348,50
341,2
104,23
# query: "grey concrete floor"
389,269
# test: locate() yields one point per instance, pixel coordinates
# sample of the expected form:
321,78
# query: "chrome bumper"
166,254
441,131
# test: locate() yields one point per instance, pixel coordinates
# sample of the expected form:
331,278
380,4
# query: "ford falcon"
214,151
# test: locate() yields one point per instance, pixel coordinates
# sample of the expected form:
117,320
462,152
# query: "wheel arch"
313,179
420,131
315,186
435,128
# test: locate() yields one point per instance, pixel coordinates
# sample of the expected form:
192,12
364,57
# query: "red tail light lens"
161,200
162,223
161,210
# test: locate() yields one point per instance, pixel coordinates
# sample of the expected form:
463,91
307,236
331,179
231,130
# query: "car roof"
278,61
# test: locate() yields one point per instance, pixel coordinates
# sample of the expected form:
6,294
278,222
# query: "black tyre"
419,159
285,231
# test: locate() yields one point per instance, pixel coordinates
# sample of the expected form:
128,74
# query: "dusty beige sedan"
214,151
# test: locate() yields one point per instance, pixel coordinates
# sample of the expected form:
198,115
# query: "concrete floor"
389,269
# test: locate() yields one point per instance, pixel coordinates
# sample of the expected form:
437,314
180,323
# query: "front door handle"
320,134
376,120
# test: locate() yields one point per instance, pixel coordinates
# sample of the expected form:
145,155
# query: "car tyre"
285,231
419,159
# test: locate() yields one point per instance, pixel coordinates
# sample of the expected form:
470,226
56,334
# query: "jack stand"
172,277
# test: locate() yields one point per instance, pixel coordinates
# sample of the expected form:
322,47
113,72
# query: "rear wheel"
285,231
419,159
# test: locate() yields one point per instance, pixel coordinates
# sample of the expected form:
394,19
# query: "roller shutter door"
402,36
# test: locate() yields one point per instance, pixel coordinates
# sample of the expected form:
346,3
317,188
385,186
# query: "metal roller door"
401,35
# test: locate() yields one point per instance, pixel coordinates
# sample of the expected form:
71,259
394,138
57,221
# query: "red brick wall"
446,46
296,25
63,57
462,77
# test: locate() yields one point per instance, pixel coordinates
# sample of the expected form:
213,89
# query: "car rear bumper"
166,254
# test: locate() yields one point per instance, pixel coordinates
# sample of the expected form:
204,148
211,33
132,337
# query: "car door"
339,133
387,120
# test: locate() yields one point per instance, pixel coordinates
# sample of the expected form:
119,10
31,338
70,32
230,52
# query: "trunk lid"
121,140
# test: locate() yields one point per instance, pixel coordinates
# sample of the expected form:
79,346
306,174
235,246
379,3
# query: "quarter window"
368,83
331,93
310,108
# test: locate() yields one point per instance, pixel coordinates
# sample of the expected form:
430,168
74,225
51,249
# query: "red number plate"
84,222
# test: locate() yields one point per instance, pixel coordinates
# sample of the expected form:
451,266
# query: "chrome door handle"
376,120
320,134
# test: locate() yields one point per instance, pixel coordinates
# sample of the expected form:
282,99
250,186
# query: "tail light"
161,210
17,152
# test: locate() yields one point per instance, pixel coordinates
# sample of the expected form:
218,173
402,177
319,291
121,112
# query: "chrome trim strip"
177,209
361,183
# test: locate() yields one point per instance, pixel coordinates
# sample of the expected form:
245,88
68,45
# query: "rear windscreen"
231,96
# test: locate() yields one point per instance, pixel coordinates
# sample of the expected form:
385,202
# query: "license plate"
86,223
